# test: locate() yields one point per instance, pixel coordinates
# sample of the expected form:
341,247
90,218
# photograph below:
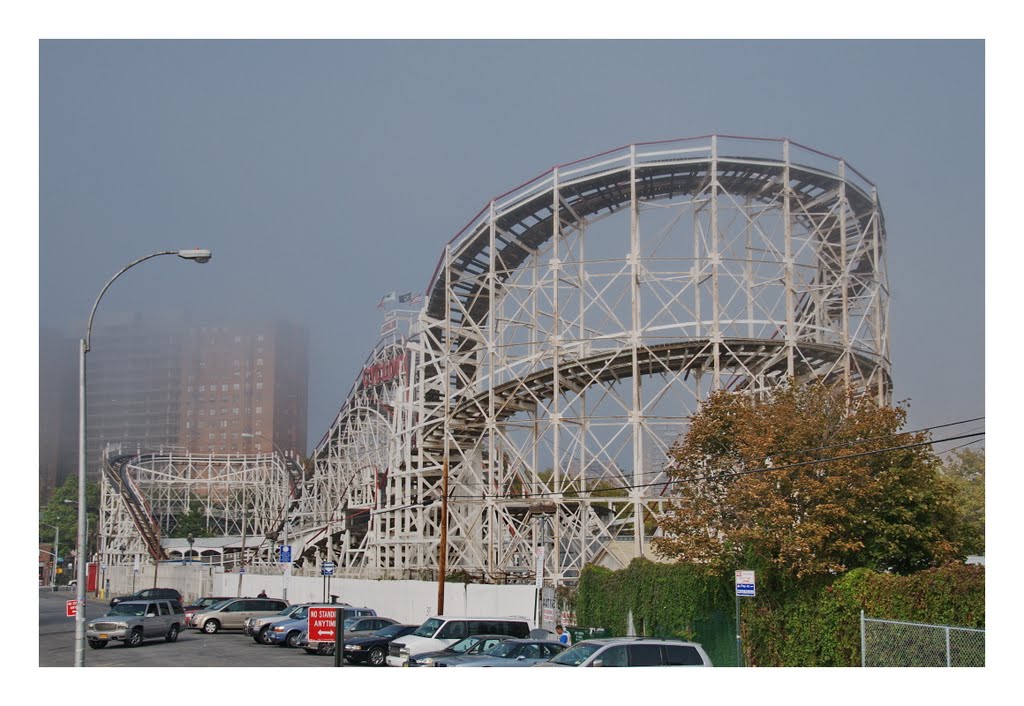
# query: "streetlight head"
199,256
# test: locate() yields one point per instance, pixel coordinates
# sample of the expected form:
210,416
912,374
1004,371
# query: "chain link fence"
892,643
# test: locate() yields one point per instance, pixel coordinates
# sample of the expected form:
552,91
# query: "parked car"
202,604
169,594
232,614
439,631
132,622
472,645
509,653
257,627
327,647
361,626
632,652
373,648
286,632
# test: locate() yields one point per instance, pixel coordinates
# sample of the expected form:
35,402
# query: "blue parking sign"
286,554
327,568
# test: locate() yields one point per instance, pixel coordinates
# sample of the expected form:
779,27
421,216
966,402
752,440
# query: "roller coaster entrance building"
568,332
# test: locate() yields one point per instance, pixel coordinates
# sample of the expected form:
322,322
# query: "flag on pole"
389,297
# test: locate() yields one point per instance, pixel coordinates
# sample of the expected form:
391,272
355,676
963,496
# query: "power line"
736,474
784,453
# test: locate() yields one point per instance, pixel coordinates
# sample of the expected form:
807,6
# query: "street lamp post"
200,256
191,540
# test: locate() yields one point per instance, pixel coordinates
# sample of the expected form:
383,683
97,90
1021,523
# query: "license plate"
103,636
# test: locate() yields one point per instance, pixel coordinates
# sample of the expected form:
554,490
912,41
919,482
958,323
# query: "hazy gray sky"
323,174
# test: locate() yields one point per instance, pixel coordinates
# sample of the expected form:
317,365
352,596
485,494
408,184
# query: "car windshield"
299,613
463,644
428,628
576,654
389,631
128,609
504,649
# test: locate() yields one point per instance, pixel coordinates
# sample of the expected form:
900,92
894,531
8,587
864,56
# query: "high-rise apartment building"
245,388
163,381
58,410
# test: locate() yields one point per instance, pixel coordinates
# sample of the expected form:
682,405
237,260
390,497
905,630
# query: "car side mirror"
597,663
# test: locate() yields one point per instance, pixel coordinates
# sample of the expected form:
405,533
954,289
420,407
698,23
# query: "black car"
170,594
374,648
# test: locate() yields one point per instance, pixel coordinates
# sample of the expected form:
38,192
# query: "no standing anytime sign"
321,624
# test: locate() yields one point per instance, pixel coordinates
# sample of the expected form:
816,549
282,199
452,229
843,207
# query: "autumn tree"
965,470
804,484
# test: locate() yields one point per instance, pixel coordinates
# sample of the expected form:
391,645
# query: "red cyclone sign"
385,371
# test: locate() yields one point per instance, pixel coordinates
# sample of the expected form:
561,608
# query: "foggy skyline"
324,174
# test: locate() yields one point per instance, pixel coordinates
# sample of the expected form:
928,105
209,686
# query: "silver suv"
232,614
134,621
632,652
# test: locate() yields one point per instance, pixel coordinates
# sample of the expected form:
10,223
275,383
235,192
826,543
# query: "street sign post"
746,586
327,571
321,624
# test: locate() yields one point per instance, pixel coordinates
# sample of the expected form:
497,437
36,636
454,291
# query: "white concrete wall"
405,601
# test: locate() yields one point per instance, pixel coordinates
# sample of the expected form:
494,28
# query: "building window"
259,386
234,410
237,386
259,410
202,388
259,362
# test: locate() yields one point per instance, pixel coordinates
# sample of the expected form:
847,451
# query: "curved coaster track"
568,333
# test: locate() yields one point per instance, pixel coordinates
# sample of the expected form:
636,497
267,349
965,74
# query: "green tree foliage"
965,471
65,515
192,522
751,491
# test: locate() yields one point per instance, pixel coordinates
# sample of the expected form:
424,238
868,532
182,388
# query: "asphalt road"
192,649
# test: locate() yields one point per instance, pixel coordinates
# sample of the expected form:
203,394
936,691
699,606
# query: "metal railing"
894,643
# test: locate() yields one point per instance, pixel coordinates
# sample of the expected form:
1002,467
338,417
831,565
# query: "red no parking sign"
321,624
72,608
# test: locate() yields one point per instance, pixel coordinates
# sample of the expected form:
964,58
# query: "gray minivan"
232,614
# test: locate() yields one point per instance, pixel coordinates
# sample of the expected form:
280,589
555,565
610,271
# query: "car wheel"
261,636
172,634
211,626
377,657
135,638
292,640
97,644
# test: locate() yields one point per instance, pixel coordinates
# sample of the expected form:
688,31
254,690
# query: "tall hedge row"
813,627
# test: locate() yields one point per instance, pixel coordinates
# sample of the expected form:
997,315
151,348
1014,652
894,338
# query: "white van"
440,631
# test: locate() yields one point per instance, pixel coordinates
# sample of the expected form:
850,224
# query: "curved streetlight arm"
197,255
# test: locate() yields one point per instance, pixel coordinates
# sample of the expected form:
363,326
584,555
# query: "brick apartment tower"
240,380
161,381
